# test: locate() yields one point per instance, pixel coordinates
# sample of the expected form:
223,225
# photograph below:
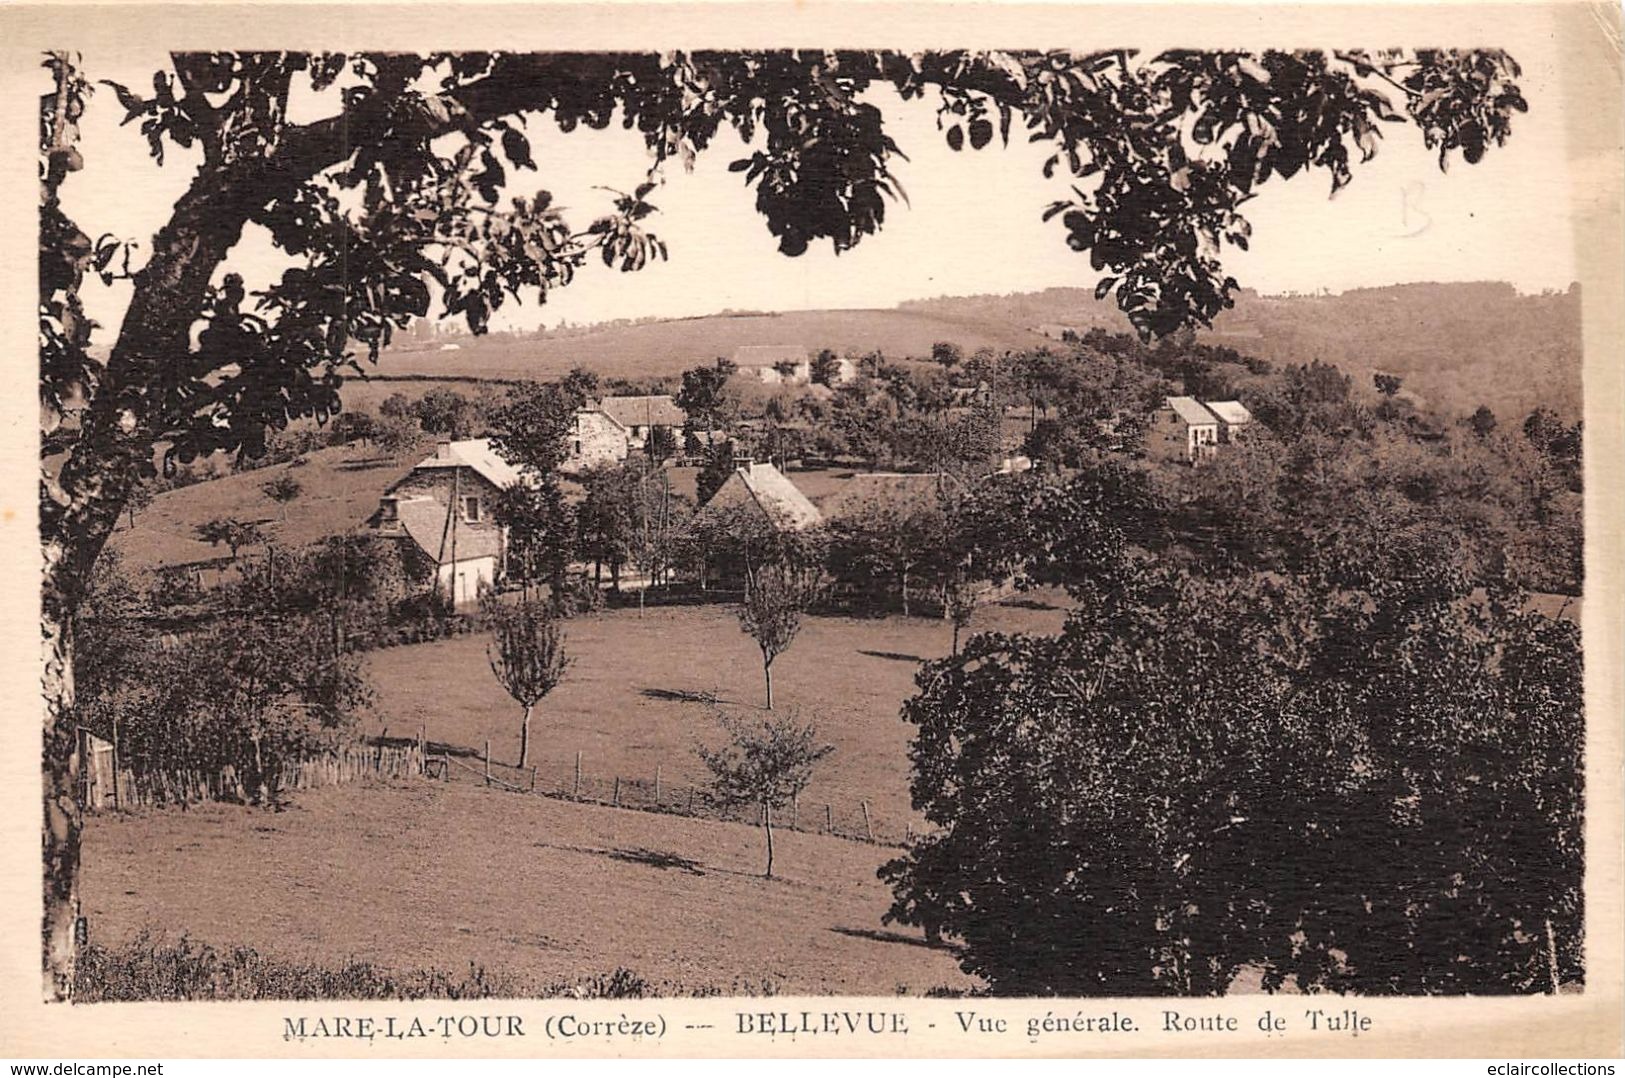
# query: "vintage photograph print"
1080,520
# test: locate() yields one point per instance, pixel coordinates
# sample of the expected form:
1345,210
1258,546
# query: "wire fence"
663,792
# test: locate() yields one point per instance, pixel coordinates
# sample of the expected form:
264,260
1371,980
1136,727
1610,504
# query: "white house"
1233,419
1182,429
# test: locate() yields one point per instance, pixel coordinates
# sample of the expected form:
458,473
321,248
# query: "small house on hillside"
1233,420
774,364
444,513
763,493
642,416
1182,429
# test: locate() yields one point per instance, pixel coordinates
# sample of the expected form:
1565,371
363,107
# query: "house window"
471,509
388,509
577,450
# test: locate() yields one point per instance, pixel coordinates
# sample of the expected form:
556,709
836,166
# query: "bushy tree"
283,489
527,655
402,193
234,533
1364,783
766,765
776,597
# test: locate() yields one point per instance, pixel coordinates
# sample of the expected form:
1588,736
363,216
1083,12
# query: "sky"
972,223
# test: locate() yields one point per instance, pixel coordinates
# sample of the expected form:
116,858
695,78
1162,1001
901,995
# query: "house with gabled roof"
443,512
1234,419
641,416
596,438
1182,429
761,492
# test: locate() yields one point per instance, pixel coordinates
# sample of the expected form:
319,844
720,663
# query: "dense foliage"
1363,779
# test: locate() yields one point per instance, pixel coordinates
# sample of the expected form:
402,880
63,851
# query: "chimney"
442,449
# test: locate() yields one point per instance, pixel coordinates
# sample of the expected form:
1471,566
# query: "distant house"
774,364
1233,420
641,416
444,514
763,493
1182,429
1057,332
596,438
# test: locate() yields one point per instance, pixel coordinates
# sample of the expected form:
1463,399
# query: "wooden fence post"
867,830
795,810
617,801
829,817
577,794
691,800
488,761
532,780
657,785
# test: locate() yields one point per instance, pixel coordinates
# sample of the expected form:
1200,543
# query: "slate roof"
423,520
1232,412
1191,411
476,454
648,411
780,500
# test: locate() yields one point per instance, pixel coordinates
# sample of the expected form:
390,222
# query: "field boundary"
106,787
655,795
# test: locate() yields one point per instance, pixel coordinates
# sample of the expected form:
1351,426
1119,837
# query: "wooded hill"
1457,345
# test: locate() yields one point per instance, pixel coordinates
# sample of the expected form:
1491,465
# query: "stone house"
596,438
642,416
443,512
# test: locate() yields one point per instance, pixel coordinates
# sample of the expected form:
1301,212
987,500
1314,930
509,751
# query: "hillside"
1457,345
658,349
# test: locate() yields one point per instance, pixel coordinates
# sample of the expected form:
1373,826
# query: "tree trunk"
524,736
63,813
903,580
767,675
767,822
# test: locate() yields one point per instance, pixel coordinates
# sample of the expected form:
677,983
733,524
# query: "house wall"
469,574
1170,438
438,484
596,439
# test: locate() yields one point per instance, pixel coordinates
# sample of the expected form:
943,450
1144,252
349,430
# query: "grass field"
423,875
626,703
342,486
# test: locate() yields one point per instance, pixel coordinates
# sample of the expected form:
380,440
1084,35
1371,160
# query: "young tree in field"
527,656
140,498
283,489
766,765
234,533
776,596
404,192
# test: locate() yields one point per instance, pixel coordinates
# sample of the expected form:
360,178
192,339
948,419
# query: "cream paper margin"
1539,1028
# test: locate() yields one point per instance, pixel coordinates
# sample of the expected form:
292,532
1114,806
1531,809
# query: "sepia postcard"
812,529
